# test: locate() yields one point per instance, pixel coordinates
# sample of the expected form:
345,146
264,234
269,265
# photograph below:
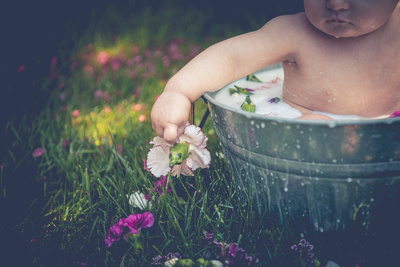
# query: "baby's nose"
337,5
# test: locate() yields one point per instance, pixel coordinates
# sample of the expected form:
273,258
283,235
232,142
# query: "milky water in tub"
267,96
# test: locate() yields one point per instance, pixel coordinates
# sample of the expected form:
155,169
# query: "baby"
339,57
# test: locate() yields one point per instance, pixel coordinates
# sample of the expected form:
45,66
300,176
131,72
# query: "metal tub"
330,172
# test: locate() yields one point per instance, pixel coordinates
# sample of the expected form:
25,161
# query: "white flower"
188,154
217,263
138,200
171,262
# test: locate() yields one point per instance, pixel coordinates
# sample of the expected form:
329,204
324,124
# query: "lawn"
76,139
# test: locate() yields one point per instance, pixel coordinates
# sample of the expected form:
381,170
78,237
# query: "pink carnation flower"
158,158
133,224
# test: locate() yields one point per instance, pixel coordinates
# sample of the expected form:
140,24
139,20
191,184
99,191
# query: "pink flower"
133,224
114,233
98,94
21,68
37,152
195,51
63,95
190,151
53,62
166,62
107,97
115,64
142,118
64,143
76,113
103,57
160,185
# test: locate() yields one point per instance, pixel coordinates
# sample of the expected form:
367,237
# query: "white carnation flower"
138,200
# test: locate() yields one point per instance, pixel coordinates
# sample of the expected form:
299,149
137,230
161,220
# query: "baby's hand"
169,115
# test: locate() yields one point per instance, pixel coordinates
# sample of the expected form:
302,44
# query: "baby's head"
348,18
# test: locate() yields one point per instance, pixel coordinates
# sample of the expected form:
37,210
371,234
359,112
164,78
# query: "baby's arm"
215,67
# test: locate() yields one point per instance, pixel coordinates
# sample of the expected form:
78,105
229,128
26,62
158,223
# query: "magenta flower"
114,233
21,68
160,184
115,64
135,222
188,154
131,225
233,254
37,152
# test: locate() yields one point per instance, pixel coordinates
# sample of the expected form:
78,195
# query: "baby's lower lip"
337,21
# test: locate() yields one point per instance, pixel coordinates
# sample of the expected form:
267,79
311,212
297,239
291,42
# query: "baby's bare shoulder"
289,23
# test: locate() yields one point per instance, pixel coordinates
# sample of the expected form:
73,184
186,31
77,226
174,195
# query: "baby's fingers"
171,133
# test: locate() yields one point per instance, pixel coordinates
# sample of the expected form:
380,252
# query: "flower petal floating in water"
244,91
248,105
188,154
274,100
252,78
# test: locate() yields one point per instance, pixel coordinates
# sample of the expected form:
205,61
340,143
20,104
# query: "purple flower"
274,100
133,224
302,253
233,254
98,94
114,233
160,260
208,236
37,152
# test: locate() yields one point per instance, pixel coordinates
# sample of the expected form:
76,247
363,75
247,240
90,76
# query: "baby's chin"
345,33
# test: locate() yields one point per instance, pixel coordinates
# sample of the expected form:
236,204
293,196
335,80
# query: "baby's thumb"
171,133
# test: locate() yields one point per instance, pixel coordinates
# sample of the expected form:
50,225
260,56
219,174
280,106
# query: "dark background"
31,27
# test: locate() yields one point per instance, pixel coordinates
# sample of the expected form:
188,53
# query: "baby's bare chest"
345,83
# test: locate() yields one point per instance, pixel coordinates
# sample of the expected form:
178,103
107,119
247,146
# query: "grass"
94,129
